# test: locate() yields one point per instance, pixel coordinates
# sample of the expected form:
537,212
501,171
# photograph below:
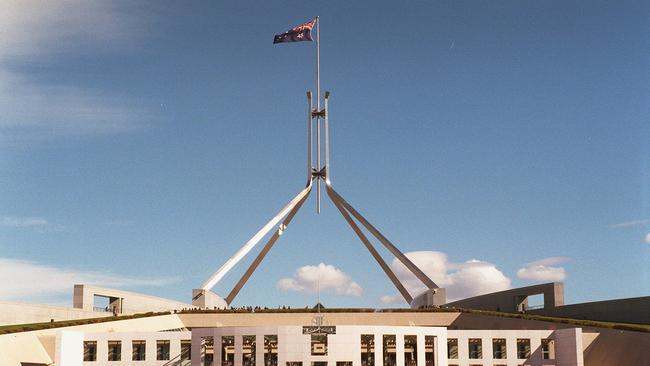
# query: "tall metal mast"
318,164
317,171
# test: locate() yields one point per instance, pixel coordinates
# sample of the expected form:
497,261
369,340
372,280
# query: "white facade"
566,347
343,347
71,348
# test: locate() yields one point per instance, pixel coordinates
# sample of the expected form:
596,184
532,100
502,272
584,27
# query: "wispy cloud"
27,280
647,238
630,223
460,280
322,276
544,270
37,32
23,222
391,299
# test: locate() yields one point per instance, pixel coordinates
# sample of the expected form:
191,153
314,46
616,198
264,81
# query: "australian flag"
297,34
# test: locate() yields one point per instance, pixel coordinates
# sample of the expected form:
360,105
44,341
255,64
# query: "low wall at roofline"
123,302
631,310
515,299
24,313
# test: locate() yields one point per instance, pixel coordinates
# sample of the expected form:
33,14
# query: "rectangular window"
367,350
318,344
139,350
429,350
162,350
186,349
523,348
248,352
548,349
390,357
114,350
452,348
475,348
227,350
343,363
271,350
499,348
410,350
207,350
319,363
294,363
90,350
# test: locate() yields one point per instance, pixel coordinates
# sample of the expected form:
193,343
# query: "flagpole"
318,166
318,62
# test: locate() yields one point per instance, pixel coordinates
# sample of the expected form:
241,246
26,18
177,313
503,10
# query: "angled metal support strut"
250,244
316,171
391,275
256,262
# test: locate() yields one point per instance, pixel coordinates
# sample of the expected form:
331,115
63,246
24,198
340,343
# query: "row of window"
139,350
249,346
499,350
319,347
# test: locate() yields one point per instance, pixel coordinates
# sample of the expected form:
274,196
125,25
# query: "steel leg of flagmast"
396,252
327,140
260,257
318,166
310,165
248,246
391,275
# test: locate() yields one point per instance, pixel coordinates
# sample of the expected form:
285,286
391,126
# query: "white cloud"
14,221
38,33
544,270
461,280
33,28
647,238
630,223
27,280
327,277
389,299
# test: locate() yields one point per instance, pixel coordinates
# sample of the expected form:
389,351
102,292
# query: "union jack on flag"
297,34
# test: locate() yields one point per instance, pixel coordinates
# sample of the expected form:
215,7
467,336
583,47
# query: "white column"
421,350
150,349
488,352
239,350
440,350
379,349
399,349
69,348
218,349
174,347
259,350
196,349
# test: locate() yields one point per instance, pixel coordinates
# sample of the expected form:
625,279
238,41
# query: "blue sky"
506,142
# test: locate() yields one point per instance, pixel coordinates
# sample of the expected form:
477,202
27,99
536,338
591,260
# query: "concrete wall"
435,297
40,346
633,310
509,300
70,344
345,345
568,347
602,346
24,313
277,319
69,348
25,348
126,302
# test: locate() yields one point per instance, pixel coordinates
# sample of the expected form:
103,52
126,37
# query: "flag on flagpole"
297,34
